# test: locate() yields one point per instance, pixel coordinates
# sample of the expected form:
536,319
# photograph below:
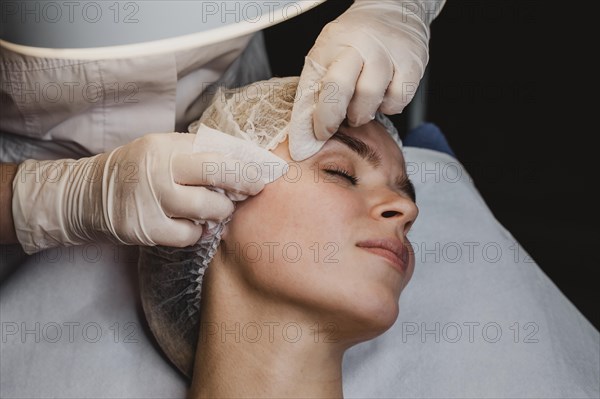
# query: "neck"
250,346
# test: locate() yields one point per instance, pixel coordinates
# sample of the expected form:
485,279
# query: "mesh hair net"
171,278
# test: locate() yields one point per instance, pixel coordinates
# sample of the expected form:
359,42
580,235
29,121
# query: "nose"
396,209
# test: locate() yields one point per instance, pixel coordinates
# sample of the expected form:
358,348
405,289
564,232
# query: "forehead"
373,134
378,138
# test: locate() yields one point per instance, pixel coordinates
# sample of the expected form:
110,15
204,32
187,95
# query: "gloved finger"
337,89
217,170
179,233
371,88
197,203
402,89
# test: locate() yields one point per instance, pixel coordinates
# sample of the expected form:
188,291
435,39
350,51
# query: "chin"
381,311
370,314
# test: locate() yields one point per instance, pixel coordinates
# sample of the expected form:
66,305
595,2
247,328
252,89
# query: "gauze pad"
258,164
303,143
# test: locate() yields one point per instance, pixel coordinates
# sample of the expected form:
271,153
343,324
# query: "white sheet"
469,270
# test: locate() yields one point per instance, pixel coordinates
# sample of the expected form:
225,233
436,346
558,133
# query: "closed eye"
345,174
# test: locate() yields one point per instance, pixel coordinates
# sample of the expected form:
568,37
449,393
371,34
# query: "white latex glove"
256,162
143,193
371,58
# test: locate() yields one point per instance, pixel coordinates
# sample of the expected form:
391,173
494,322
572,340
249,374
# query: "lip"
392,250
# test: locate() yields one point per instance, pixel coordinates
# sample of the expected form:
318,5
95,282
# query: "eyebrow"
360,147
370,155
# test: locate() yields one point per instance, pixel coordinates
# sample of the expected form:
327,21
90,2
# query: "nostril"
390,214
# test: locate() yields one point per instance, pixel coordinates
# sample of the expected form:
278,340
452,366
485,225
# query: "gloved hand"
143,193
371,58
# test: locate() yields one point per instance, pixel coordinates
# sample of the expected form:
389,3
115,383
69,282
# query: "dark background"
508,108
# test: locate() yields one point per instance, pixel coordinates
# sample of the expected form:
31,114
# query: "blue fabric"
429,136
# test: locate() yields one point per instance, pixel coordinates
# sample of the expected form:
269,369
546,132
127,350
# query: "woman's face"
302,239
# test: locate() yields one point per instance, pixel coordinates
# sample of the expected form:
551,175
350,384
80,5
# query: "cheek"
302,211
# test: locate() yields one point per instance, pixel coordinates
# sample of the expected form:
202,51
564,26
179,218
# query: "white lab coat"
55,108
